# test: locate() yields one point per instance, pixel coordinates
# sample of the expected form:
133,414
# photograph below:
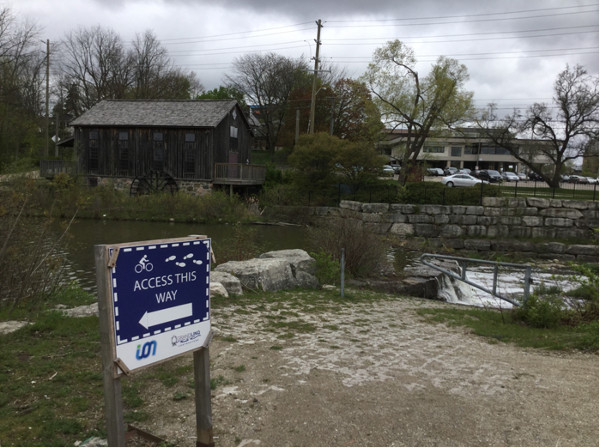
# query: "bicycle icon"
144,265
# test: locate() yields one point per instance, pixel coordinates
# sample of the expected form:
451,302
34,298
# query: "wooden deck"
239,174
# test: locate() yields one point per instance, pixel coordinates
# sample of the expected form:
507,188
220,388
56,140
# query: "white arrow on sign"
153,318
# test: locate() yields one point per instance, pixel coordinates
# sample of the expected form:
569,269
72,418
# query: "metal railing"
463,263
240,173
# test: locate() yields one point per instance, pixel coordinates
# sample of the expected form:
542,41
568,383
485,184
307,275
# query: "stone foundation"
194,187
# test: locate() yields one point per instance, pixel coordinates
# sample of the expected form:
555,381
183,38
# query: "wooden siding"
184,153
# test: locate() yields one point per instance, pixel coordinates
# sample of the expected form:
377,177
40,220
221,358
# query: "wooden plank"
113,403
204,428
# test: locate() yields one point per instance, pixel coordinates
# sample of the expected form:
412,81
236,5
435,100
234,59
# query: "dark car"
535,176
492,176
449,171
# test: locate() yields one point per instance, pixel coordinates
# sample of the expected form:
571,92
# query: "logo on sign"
144,265
148,349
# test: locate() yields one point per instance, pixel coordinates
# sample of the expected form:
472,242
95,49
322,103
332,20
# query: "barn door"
233,169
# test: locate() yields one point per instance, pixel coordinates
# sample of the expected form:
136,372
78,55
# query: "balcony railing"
239,174
50,168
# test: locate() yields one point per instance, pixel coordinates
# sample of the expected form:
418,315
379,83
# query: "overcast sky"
513,49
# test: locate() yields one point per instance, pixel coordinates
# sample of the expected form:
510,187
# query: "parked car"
460,180
464,171
435,171
592,180
509,176
535,176
396,168
578,179
489,175
522,176
450,170
388,170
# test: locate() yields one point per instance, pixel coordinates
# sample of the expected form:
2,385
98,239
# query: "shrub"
328,268
437,193
540,312
364,251
31,265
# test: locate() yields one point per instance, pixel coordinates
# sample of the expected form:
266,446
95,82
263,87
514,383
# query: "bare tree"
559,134
21,88
267,82
96,66
419,105
96,63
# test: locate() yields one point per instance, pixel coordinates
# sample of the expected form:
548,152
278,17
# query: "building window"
189,167
472,149
433,149
93,159
456,151
93,155
158,137
190,138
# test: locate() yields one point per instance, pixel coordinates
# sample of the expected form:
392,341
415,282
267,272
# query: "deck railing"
50,168
239,173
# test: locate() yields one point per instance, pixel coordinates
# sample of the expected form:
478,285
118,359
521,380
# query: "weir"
458,294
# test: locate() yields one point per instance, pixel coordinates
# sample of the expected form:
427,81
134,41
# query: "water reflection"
228,241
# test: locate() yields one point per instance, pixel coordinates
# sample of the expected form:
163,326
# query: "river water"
228,241
238,242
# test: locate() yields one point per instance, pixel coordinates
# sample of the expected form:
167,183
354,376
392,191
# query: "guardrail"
463,263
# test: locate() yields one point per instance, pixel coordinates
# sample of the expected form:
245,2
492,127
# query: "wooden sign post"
154,305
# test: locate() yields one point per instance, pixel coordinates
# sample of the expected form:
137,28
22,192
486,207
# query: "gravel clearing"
377,374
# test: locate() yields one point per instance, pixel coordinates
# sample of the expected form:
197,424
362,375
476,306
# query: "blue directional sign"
160,298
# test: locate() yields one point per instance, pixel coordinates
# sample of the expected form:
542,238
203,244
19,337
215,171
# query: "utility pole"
314,86
47,97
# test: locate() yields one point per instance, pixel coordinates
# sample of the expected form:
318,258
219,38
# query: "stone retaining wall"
500,224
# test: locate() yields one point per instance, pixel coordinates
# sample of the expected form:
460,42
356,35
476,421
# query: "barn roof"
160,113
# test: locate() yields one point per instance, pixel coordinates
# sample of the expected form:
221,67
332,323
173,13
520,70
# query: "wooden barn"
164,144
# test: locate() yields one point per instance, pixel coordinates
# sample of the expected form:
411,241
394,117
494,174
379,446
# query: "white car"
460,180
388,170
510,176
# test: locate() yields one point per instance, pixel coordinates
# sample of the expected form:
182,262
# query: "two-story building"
466,148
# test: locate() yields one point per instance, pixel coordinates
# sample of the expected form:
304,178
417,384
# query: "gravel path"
376,374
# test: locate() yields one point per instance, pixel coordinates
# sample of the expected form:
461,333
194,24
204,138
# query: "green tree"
320,159
224,93
562,133
419,105
314,159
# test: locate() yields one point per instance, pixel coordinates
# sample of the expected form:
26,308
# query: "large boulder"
274,271
231,283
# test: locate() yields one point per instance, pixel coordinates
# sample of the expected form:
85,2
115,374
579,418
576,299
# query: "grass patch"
500,326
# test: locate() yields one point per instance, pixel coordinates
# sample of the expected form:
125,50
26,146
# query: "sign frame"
113,367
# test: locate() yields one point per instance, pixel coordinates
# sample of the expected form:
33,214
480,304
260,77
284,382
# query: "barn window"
123,136
93,151
158,137
189,167
233,131
190,138
93,159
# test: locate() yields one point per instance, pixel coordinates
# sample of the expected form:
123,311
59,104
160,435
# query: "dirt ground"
378,375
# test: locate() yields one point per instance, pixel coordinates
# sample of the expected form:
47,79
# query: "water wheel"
153,182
